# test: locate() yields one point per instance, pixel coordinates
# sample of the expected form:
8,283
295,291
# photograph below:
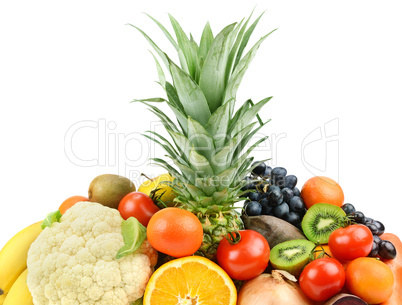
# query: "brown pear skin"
275,230
109,189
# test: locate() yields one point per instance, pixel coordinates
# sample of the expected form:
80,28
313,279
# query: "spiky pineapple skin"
216,227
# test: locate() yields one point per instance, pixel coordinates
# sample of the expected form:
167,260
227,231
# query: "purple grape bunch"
271,191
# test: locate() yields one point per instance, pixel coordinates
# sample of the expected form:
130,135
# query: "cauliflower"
74,261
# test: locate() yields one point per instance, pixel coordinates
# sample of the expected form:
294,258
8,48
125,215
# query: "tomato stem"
319,249
234,237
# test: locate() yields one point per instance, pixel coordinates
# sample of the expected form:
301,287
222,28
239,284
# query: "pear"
109,189
159,190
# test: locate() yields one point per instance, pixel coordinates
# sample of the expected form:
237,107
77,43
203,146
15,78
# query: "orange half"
191,280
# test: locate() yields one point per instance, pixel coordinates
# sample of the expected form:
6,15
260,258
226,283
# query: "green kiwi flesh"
321,220
291,255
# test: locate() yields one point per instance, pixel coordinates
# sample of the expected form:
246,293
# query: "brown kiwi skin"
109,189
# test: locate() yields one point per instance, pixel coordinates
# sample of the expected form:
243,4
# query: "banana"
19,293
13,257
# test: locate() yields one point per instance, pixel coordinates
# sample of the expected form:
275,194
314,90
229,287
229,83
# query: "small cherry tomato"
322,278
245,259
138,205
351,242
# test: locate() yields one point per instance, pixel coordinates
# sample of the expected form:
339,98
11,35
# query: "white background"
333,67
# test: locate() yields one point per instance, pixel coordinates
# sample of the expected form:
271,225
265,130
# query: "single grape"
275,197
380,227
273,187
348,208
373,228
266,209
290,181
359,217
387,250
254,196
278,175
296,204
374,250
259,170
368,220
376,239
267,172
281,210
287,194
293,218
253,208
296,192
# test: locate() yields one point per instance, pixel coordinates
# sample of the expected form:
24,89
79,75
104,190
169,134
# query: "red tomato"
322,278
246,259
351,242
138,205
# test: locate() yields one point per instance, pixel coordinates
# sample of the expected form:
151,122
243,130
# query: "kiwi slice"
321,220
291,255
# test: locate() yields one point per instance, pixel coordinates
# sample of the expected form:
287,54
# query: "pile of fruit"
182,237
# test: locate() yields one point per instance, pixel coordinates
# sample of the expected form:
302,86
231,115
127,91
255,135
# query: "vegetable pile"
218,227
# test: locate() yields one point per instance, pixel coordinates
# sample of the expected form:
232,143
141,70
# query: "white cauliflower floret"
73,262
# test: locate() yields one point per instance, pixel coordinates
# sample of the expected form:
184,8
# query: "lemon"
164,191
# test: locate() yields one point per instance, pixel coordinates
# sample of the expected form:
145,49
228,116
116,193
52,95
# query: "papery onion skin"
271,289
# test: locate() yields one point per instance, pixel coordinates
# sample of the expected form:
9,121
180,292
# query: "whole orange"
320,189
370,279
69,202
175,232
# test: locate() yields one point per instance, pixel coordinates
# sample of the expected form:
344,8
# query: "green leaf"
187,172
235,49
238,73
248,116
200,138
190,95
162,116
207,38
247,139
152,100
185,46
212,79
51,218
195,192
162,55
161,74
218,124
166,32
171,170
134,234
207,185
183,145
200,164
222,160
246,38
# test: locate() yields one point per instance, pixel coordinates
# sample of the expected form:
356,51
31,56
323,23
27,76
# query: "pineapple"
208,155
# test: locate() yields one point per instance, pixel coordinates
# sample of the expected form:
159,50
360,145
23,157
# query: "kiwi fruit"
109,189
321,220
291,255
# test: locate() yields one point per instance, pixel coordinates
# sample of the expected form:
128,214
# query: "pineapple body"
208,154
216,227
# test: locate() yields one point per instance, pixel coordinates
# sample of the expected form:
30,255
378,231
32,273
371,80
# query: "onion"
272,289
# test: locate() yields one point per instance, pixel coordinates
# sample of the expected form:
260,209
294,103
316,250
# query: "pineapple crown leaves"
210,138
